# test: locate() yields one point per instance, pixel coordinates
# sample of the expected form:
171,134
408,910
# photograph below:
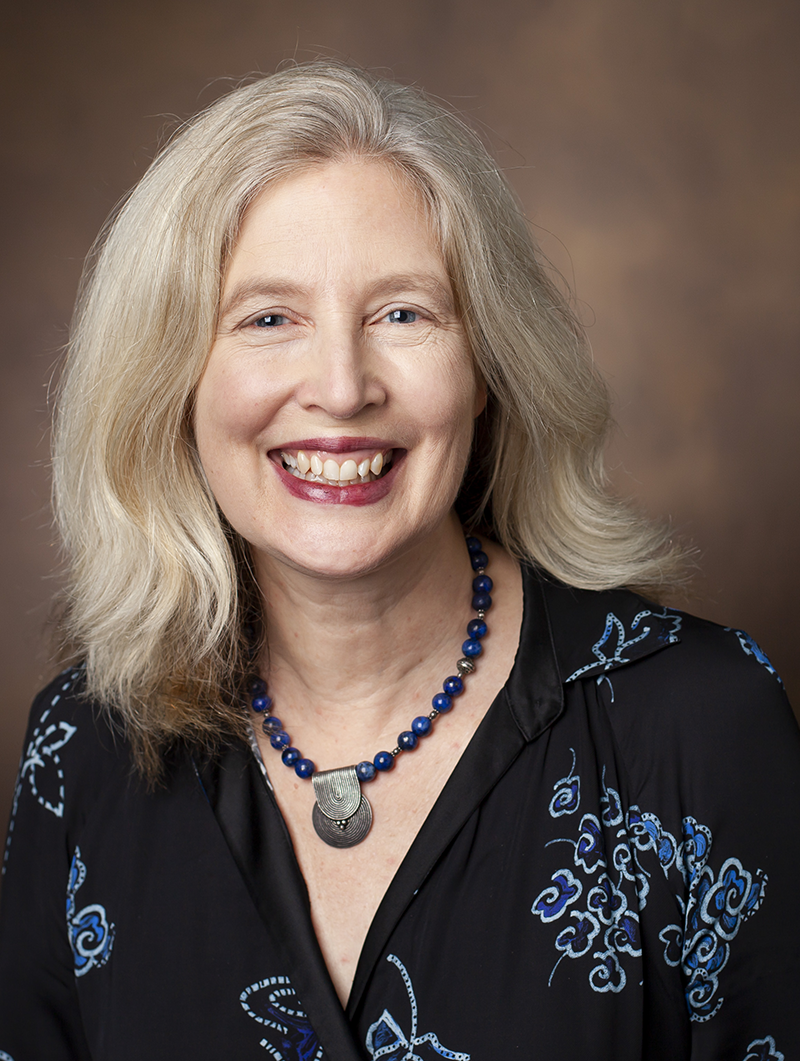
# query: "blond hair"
159,584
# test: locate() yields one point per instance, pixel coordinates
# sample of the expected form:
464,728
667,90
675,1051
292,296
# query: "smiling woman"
329,463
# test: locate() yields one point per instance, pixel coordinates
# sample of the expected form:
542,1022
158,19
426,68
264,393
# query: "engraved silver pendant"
342,815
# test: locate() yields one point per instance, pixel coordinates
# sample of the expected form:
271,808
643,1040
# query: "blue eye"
402,316
270,320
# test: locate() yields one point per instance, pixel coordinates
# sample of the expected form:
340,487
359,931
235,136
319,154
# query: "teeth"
313,469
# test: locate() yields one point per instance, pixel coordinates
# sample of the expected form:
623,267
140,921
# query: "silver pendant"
342,815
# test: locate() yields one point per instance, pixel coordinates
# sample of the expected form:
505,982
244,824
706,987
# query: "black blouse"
611,873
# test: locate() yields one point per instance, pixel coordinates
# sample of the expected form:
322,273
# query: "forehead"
357,214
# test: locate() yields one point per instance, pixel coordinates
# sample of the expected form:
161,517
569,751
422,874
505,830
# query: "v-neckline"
247,812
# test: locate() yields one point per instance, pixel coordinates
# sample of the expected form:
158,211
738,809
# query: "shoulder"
677,690
597,633
72,747
64,712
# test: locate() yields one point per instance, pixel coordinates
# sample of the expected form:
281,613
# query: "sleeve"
720,758
39,1012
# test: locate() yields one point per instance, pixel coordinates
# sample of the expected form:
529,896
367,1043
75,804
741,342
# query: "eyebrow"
390,286
247,289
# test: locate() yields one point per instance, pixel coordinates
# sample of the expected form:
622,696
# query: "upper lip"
342,444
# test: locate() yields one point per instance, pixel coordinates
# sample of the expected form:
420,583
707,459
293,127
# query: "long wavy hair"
159,586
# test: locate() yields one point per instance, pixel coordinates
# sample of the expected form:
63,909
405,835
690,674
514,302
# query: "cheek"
228,409
451,404
465,396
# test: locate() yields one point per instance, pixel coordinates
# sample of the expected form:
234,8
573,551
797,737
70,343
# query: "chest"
346,885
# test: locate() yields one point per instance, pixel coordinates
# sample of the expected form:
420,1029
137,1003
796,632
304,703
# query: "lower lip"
358,494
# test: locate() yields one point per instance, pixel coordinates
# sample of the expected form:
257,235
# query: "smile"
316,468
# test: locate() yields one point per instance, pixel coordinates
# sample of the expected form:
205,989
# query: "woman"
314,346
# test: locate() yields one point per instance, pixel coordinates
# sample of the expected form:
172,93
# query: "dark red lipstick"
342,444
322,494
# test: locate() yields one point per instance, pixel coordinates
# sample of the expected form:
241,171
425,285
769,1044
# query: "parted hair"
159,586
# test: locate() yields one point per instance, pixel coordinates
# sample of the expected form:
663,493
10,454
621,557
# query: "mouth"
352,467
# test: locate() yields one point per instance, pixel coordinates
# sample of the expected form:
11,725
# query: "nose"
340,377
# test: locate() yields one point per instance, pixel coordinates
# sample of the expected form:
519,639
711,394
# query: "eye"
270,320
402,316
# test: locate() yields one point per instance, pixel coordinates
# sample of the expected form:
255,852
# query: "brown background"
655,147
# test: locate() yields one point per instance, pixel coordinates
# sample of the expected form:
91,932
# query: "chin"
330,565
342,553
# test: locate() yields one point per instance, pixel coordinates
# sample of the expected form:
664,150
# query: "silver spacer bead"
481,571
434,714
395,752
481,613
465,666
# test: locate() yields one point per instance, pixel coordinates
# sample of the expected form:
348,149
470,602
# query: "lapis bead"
290,756
256,686
407,740
442,702
262,703
280,740
383,761
271,724
453,685
479,560
304,768
482,584
476,628
474,545
481,602
472,648
422,726
365,771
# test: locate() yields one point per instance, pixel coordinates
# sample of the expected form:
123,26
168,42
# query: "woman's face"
338,355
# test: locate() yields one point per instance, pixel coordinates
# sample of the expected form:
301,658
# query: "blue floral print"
602,925
750,648
648,630
567,798
41,765
273,1003
716,909
603,898
552,902
385,1038
91,936
763,1050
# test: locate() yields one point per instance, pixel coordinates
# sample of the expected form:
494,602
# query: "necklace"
342,814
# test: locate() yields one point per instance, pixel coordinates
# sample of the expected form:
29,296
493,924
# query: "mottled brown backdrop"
655,147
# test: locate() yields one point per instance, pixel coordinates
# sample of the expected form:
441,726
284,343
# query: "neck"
363,651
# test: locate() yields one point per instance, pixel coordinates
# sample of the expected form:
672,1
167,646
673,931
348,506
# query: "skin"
337,328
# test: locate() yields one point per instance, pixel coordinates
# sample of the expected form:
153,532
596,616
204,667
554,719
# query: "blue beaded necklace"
342,815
